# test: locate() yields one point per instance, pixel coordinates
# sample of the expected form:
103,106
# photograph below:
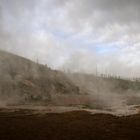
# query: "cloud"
75,34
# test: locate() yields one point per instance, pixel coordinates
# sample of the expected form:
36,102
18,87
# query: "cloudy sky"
76,35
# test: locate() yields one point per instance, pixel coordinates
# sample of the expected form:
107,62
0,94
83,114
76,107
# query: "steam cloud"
84,36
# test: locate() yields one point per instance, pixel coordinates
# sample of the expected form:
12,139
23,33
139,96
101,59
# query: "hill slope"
25,81
108,91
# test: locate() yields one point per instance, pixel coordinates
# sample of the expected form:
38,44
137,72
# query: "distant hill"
24,81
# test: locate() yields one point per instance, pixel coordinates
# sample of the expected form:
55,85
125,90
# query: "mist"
73,44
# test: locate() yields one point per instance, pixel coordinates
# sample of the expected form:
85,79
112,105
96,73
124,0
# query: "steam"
93,37
108,93
24,82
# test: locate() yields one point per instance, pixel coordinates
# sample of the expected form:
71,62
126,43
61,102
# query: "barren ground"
75,125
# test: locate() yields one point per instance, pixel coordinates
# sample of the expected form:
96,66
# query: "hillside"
108,91
91,82
24,81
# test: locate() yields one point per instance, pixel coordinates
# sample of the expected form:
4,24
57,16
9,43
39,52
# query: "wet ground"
27,124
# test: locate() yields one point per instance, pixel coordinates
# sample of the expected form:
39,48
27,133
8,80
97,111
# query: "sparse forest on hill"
26,82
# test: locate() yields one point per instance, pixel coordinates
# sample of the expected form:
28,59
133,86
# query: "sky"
74,35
